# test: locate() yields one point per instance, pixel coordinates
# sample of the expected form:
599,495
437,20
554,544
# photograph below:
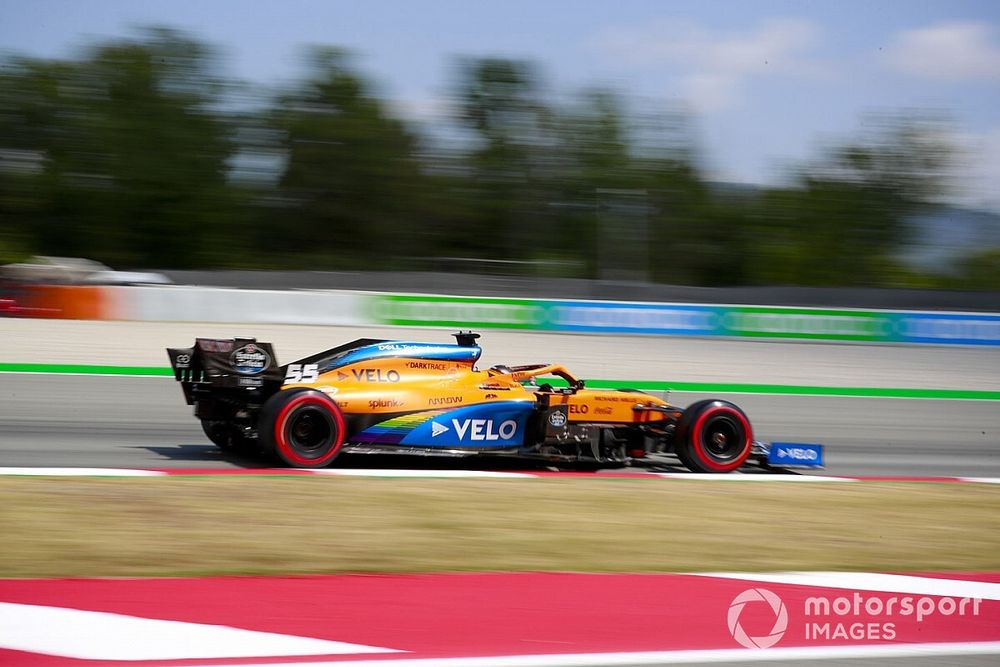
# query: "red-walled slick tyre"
304,428
713,436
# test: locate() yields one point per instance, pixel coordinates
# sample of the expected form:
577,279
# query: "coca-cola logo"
250,359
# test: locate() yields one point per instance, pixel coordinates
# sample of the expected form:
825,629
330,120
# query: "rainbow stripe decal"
392,431
492,425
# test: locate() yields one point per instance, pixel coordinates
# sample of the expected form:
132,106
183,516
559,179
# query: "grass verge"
187,526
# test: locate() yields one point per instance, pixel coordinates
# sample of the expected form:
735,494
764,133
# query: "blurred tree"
653,212
500,103
981,270
595,184
129,152
844,218
138,154
41,126
349,190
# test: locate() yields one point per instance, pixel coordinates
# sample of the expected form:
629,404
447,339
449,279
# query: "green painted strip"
86,369
797,390
698,387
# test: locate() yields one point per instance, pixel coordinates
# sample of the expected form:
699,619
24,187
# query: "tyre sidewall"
690,446
278,414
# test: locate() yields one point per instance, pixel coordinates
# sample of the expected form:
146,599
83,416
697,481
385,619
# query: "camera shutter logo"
736,610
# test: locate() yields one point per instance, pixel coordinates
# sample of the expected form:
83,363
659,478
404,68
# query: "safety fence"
687,319
329,307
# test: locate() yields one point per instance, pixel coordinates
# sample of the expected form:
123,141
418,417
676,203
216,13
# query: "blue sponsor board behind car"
680,319
623,317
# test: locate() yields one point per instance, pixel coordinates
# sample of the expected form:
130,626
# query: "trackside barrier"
213,304
347,308
66,302
882,326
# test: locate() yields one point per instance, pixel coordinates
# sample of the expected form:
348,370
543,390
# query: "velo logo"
777,607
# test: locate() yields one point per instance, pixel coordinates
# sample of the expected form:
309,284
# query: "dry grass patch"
175,526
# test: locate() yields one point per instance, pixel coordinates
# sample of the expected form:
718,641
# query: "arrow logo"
342,376
437,429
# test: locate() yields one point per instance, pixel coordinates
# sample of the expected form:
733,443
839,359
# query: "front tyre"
304,428
713,436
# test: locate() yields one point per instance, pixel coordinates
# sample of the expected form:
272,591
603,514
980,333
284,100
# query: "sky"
770,82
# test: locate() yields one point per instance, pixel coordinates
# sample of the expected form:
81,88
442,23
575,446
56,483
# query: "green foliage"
844,217
129,155
349,189
136,154
981,269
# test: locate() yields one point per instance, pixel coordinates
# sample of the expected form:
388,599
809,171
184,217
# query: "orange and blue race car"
397,397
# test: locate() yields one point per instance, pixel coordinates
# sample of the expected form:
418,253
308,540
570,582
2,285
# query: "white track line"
375,472
677,657
389,472
872,581
980,480
93,635
83,472
754,477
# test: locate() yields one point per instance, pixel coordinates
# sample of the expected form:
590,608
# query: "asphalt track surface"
143,422
650,358
95,421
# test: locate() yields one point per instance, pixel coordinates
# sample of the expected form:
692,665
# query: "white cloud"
713,66
711,91
957,51
422,109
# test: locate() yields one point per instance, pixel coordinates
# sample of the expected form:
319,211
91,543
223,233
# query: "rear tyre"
304,428
713,437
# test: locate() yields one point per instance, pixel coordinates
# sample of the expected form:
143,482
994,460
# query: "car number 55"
302,373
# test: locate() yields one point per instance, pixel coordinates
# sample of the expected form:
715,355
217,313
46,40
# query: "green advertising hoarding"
806,323
456,311
776,322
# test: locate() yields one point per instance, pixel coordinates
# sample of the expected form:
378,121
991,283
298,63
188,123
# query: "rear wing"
225,363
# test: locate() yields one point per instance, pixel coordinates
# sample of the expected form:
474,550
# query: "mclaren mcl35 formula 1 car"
386,396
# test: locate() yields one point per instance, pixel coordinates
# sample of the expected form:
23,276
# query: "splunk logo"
758,597
477,430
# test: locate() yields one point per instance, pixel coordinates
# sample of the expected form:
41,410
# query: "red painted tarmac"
462,615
